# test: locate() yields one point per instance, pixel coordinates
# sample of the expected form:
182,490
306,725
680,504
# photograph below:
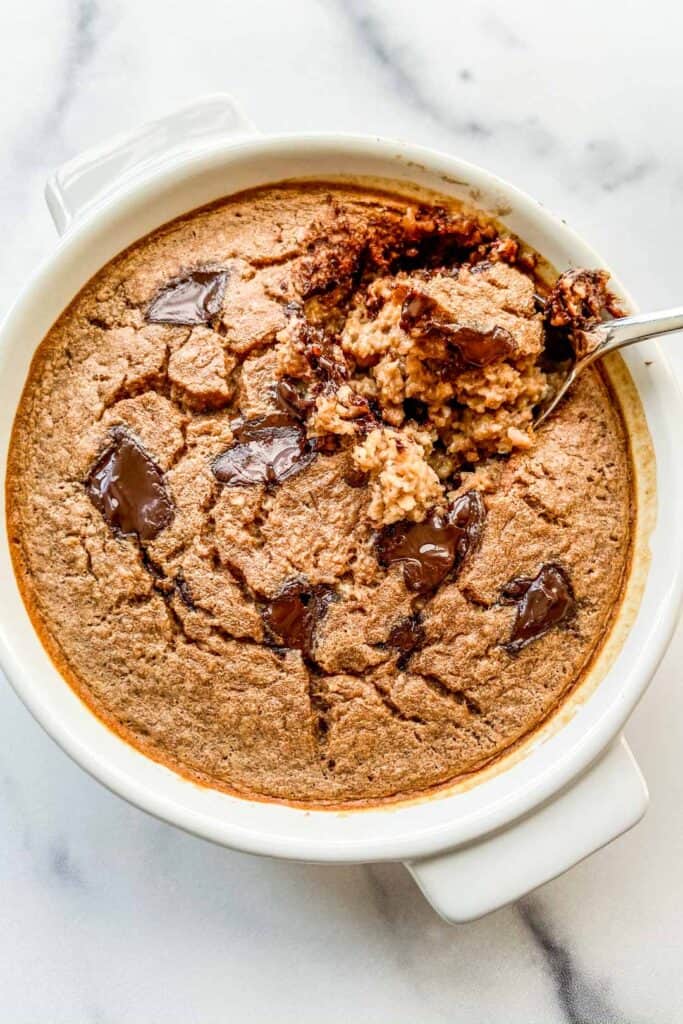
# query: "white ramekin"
473,848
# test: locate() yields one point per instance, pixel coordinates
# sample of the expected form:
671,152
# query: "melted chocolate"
421,315
355,477
128,488
328,369
290,399
407,634
481,347
542,602
194,299
325,359
292,616
269,449
436,548
418,313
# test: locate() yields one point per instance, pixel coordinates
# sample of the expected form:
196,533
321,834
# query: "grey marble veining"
112,917
371,32
578,998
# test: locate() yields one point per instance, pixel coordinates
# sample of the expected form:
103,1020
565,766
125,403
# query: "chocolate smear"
194,299
128,488
292,615
543,602
436,548
476,346
268,450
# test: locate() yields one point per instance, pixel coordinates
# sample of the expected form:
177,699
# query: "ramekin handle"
91,178
607,800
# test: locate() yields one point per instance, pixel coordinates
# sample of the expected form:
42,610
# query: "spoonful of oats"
576,303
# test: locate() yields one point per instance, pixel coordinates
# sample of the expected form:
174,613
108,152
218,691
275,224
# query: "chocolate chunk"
292,616
355,477
128,488
436,548
328,369
327,362
269,449
418,313
423,316
290,399
407,634
480,347
194,299
542,602
324,357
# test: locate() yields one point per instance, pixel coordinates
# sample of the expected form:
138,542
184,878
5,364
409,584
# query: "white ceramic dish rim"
396,831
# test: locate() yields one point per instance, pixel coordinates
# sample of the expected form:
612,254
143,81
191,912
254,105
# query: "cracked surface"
173,640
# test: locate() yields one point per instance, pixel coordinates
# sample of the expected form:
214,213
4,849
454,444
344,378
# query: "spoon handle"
630,329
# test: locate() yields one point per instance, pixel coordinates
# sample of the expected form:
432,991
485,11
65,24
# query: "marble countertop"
110,917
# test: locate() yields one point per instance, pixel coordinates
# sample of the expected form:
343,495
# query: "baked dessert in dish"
276,503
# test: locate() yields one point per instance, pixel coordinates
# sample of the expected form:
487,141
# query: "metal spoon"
608,337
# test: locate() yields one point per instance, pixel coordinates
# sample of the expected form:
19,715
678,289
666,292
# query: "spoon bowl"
606,337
